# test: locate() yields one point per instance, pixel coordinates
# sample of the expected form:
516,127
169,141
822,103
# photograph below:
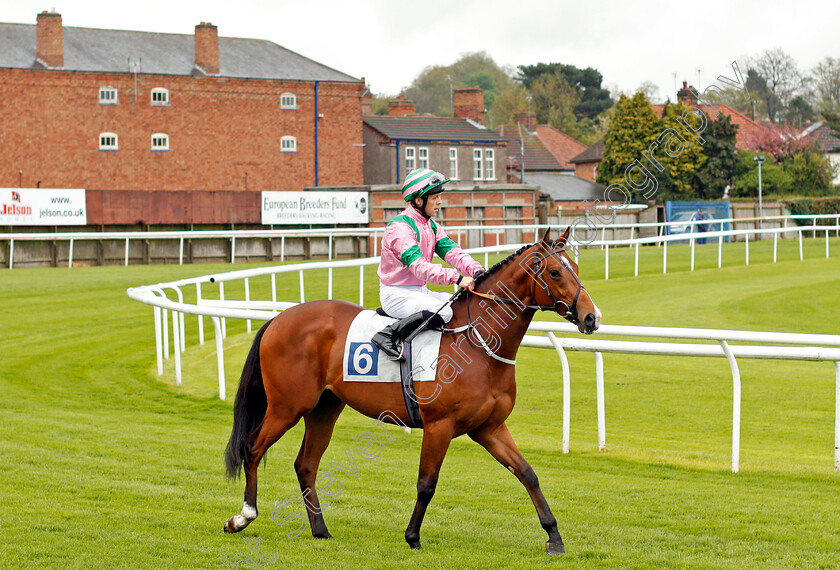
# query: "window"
160,96
489,164
288,144
453,164
288,101
160,141
108,141
108,96
409,159
423,157
477,164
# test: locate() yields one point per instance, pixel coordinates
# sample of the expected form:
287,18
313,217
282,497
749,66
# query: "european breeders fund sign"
42,207
280,208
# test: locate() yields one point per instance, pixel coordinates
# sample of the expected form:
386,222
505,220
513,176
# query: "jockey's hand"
467,283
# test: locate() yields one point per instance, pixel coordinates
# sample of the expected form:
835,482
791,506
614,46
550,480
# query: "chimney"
49,39
527,119
400,107
207,48
469,104
687,95
367,100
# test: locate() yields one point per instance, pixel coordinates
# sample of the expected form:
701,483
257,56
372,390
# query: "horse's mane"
508,259
502,263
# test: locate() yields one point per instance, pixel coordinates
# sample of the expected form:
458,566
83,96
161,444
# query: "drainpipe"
316,133
398,160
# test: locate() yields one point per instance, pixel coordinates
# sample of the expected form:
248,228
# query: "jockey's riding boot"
390,339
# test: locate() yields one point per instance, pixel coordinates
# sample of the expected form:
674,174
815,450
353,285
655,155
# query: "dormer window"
288,144
160,141
108,141
288,101
108,96
160,96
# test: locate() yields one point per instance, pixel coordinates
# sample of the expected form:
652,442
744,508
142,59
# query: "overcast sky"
389,43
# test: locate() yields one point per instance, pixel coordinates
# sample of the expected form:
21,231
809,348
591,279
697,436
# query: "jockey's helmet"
422,182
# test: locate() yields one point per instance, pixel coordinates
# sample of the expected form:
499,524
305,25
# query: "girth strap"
407,382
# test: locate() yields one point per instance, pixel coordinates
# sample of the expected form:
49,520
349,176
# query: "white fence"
490,234
794,346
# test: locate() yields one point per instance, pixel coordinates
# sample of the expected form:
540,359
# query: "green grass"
106,465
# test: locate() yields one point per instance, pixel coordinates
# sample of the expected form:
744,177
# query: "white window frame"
489,164
105,144
423,157
478,164
288,100
162,139
410,161
162,94
453,163
288,143
109,95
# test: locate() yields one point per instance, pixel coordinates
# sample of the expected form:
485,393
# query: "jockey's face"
433,204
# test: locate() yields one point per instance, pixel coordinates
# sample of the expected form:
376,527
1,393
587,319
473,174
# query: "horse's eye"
554,274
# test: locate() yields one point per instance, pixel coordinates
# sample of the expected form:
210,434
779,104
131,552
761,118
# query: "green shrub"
805,206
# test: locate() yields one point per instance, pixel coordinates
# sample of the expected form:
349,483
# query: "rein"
569,314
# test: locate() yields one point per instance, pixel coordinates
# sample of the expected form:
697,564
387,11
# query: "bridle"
570,312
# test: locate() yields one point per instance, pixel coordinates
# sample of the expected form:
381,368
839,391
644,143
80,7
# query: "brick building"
211,121
461,148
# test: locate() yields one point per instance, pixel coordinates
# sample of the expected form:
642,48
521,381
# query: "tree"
721,164
633,125
682,159
593,98
650,89
799,111
774,179
825,78
776,80
432,89
555,101
505,106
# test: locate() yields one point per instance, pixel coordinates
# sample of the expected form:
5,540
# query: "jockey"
405,268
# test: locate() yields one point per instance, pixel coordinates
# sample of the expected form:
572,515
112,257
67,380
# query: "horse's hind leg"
273,427
498,441
319,428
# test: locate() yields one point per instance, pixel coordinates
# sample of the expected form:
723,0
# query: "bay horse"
294,371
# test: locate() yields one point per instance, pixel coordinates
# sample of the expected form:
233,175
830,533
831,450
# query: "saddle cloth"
364,362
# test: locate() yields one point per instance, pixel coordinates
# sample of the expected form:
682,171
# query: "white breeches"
400,302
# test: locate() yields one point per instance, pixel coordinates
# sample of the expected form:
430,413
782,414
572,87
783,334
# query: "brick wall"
224,134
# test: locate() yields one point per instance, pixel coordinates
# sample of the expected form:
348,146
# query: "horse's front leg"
498,441
436,438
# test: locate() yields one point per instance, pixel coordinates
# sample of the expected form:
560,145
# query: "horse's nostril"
589,321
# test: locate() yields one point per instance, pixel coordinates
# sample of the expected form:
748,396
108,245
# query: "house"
461,148
748,129
542,155
828,141
586,163
209,120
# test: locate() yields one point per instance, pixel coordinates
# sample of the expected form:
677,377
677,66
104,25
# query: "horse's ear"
545,238
564,239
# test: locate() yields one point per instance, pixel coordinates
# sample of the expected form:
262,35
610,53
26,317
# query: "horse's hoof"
236,523
555,548
230,527
324,535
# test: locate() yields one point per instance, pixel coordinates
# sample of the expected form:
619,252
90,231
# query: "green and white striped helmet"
422,181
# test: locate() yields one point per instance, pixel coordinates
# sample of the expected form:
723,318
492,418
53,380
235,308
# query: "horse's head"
556,284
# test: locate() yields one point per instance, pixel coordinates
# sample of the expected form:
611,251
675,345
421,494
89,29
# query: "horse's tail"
248,409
